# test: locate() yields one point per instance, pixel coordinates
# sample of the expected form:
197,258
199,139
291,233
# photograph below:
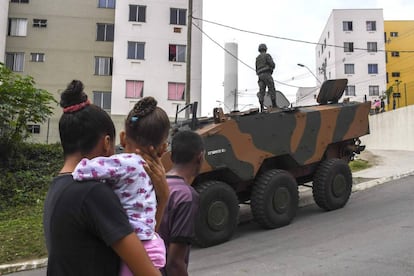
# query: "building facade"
56,41
352,46
399,38
150,54
4,9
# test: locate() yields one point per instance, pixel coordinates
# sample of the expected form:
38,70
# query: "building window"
371,46
176,53
395,74
350,90
178,16
103,66
20,1
105,32
15,61
372,68
137,13
374,90
109,4
176,91
348,47
394,34
40,23
102,99
136,50
34,129
37,57
349,69
347,25
395,54
134,89
17,27
371,26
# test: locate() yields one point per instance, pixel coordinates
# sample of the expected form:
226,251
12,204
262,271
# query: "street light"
301,65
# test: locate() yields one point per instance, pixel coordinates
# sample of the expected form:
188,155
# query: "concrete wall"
391,130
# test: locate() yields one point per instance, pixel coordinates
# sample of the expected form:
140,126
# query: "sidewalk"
386,165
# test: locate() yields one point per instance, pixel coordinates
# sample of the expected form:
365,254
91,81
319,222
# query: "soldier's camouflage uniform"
264,69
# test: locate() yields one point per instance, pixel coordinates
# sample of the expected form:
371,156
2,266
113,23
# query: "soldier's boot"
261,106
274,103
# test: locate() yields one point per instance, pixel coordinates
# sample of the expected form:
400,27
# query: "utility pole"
188,57
322,70
405,93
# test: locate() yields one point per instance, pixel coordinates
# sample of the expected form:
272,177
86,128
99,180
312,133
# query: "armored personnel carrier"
260,158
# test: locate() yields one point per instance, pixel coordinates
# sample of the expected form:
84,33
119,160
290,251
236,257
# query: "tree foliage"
21,103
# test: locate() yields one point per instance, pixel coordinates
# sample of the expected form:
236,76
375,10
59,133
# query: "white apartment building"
149,57
4,11
352,46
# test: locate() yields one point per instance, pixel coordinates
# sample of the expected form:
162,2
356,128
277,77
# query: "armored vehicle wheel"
274,199
332,184
217,218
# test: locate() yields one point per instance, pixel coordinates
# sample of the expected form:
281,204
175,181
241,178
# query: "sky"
294,19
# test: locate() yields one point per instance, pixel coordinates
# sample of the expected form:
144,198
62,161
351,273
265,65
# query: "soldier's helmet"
262,47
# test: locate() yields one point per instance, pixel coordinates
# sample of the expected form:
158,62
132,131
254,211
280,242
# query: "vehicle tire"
274,199
218,211
332,184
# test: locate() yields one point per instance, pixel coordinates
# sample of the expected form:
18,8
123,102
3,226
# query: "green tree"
21,103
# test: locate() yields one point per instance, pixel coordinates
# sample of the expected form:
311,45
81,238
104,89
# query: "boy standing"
177,225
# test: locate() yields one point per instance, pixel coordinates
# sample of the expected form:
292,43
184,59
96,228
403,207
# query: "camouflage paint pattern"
242,142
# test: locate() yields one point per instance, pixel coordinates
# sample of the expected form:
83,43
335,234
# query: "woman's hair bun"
73,94
145,106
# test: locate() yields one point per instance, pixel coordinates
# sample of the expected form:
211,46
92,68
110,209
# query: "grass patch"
21,233
358,165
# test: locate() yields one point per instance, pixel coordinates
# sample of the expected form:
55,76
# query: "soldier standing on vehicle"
264,70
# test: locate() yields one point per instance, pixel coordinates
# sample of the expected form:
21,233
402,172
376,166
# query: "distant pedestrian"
377,105
177,226
382,105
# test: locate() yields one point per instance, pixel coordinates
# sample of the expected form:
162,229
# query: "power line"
231,54
292,39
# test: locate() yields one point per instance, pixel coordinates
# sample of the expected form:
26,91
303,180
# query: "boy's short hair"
185,145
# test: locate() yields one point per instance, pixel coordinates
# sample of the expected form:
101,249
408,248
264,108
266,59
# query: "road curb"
22,266
305,199
380,181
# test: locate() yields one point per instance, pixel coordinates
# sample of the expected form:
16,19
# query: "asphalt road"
372,235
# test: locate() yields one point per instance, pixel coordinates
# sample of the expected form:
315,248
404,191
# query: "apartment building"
57,41
120,50
352,46
4,9
399,41
150,58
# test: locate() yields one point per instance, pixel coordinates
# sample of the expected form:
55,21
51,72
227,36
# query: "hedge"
25,178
